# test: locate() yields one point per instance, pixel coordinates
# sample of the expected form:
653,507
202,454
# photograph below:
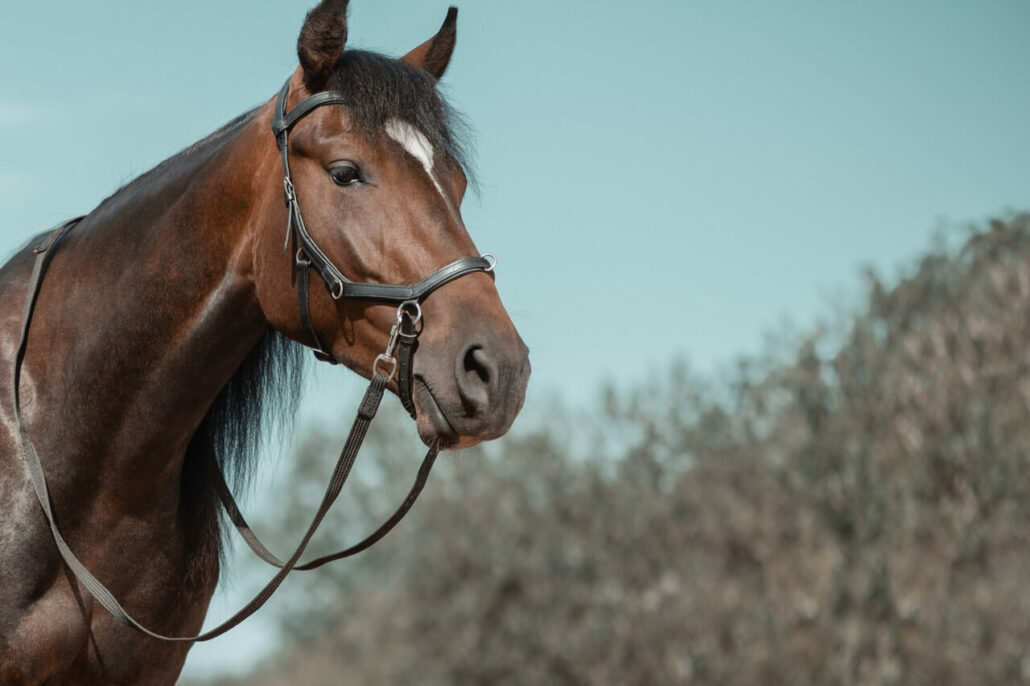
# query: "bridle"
396,360
307,256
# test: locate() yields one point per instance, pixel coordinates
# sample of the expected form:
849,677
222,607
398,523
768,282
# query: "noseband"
394,361
307,256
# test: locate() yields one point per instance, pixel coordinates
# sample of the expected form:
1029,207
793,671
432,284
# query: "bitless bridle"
396,360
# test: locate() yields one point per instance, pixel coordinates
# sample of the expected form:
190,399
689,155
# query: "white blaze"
417,145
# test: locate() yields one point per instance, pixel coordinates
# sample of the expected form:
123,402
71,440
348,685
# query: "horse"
168,325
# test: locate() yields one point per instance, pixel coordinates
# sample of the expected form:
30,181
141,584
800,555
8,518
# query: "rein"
396,360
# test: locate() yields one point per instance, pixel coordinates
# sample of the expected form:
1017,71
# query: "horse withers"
158,333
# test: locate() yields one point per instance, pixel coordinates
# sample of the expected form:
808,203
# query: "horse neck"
156,310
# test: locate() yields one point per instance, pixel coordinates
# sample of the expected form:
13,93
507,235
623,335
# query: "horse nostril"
478,362
477,372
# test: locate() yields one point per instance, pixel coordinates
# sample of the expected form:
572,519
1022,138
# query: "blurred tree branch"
854,515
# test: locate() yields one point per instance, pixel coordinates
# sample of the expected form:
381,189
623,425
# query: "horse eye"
345,174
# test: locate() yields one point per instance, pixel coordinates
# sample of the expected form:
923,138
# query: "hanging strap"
302,270
407,341
366,412
259,548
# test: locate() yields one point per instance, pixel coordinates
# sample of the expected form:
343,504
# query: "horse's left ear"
434,55
321,41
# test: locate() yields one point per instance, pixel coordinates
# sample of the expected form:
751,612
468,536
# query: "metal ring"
336,290
383,358
416,314
302,259
492,260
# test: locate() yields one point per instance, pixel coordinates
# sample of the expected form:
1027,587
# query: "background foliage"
849,508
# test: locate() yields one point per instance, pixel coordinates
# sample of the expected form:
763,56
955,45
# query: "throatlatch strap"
367,411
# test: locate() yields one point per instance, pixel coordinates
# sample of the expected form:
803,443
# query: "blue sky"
659,178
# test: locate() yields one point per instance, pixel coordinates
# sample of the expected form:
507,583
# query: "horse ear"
434,55
321,41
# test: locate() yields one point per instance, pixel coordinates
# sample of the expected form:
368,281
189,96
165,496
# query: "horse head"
380,177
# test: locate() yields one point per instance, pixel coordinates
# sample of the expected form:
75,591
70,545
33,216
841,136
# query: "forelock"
380,89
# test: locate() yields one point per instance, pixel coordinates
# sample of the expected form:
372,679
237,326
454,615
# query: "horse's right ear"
321,42
434,55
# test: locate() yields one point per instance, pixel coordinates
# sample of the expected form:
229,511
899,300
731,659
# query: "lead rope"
366,412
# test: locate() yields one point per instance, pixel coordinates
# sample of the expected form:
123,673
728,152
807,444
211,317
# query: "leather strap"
418,291
283,121
303,278
259,548
407,342
366,412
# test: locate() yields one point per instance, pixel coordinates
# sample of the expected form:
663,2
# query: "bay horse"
168,321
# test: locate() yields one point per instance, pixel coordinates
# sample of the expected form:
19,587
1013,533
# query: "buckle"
385,359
